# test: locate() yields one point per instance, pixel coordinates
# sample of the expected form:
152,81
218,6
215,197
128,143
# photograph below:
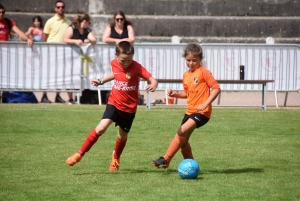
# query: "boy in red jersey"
122,102
197,82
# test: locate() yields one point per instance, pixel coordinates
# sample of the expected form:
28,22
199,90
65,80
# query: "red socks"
92,139
89,142
119,148
175,145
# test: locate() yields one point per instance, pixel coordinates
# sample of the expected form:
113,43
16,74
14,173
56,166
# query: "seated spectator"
118,30
79,32
6,25
35,32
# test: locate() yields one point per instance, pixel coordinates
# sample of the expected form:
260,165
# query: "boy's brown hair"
124,47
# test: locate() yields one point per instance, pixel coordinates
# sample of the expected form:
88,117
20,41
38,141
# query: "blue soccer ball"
188,169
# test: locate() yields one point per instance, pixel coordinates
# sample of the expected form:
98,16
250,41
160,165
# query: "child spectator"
35,32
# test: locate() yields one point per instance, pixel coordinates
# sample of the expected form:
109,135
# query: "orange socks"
174,147
89,142
187,152
119,148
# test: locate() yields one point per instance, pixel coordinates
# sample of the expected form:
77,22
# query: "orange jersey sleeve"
197,86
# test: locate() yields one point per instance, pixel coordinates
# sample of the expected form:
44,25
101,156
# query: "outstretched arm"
174,94
22,35
107,78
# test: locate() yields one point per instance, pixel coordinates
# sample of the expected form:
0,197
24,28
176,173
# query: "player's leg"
124,121
89,141
119,147
186,149
182,134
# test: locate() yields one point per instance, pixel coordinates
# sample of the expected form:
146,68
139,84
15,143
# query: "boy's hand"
150,88
96,83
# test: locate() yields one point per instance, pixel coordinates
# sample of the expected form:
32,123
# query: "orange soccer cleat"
115,164
75,158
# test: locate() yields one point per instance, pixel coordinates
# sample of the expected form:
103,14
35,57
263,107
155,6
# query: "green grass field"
244,154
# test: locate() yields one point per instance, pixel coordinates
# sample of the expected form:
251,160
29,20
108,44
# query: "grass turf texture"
243,153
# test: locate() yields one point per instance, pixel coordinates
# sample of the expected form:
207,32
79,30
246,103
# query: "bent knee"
100,130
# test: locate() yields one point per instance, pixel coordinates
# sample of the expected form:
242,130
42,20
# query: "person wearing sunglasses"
118,30
54,31
6,25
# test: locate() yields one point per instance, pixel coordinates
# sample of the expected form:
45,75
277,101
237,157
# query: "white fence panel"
262,62
55,66
42,67
165,61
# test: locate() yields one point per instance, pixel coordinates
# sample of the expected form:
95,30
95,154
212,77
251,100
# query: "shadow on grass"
136,171
172,171
234,171
130,171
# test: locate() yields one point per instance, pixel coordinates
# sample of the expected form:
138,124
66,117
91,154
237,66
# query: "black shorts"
122,119
200,119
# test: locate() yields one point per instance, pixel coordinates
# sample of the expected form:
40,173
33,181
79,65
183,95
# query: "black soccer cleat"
161,163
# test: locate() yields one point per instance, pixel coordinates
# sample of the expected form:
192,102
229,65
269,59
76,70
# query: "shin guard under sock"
175,145
119,148
89,142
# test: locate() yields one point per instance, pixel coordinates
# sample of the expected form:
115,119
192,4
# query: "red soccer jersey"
4,30
124,94
197,86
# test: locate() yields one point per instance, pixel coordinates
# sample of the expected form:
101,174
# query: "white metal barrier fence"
43,67
59,67
280,63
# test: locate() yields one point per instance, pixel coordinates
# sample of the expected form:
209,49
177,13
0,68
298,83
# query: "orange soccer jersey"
197,86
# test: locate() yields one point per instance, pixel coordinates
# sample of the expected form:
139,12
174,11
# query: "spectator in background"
54,31
79,32
118,30
6,25
35,32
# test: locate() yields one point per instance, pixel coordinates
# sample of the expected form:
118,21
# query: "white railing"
280,63
43,67
61,67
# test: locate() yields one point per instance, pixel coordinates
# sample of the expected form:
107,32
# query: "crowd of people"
60,29
200,87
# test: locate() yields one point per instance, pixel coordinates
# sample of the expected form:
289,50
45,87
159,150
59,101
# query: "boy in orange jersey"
197,82
122,102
